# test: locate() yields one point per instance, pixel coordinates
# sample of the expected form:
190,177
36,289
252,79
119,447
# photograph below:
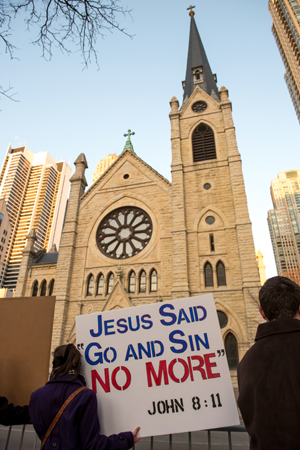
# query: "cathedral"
134,238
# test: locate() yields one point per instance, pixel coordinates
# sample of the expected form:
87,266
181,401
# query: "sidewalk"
199,440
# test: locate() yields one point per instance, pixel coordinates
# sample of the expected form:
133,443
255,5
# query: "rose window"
199,107
124,233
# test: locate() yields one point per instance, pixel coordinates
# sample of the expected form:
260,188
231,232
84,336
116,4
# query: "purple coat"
78,428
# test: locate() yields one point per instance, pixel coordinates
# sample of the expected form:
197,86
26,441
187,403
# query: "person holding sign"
64,411
269,373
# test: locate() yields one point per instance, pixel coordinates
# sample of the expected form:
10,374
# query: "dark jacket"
269,386
13,415
78,428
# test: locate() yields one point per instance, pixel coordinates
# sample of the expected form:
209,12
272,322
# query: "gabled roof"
46,258
197,58
122,156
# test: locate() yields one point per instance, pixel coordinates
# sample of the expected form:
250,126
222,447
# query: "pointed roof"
197,59
123,155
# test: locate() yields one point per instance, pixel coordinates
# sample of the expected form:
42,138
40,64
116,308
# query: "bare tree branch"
7,93
60,23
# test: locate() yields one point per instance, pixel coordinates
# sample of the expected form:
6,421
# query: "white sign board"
160,366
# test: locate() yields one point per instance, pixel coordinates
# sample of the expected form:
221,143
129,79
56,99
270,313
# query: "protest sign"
160,366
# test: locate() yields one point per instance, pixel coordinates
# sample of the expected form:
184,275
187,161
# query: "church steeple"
198,71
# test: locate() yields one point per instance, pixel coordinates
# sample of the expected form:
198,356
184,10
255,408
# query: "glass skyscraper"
35,189
284,223
286,30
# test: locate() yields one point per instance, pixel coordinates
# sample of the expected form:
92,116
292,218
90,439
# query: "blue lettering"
148,322
204,312
192,314
99,354
130,353
196,313
141,349
114,355
121,325
92,332
191,343
177,341
153,348
199,341
137,324
182,316
167,314
107,327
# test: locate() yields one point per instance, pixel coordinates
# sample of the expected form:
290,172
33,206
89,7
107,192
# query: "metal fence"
231,438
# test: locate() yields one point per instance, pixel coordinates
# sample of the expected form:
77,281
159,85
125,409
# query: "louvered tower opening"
203,142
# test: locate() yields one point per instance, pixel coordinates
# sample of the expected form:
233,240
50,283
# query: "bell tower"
213,249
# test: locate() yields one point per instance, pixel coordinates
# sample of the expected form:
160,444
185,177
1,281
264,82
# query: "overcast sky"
65,110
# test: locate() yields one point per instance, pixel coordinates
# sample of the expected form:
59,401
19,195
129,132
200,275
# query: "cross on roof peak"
128,144
191,13
130,133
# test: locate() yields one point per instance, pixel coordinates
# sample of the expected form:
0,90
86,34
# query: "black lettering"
154,409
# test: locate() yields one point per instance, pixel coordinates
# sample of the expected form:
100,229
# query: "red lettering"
209,365
190,368
157,378
171,373
96,377
114,381
201,363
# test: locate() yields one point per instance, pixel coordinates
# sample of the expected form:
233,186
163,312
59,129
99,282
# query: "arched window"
197,75
223,319
90,285
221,274
232,352
153,281
110,283
131,283
100,286
51,287
35,289
44,288
212,242
208,273
143,281
203,142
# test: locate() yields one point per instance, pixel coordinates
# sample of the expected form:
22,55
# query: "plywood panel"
25,334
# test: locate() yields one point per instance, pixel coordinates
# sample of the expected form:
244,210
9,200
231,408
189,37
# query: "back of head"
66,359
279,297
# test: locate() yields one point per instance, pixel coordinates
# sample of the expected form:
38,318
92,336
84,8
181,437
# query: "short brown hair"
66,358
279,297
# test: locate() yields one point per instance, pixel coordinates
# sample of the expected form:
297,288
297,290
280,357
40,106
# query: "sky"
66,110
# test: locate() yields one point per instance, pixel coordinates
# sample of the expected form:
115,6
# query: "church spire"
198,71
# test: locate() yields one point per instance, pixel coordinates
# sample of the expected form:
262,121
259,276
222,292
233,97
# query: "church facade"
134,238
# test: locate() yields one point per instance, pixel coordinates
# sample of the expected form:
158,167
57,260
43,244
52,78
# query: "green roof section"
128,144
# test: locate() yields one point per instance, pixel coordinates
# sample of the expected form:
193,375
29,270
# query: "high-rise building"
35,188
103,166
284,223
261,267
5,230
286,30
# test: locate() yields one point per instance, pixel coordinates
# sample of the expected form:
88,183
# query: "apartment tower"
35,188
103,165
286,30
284,223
